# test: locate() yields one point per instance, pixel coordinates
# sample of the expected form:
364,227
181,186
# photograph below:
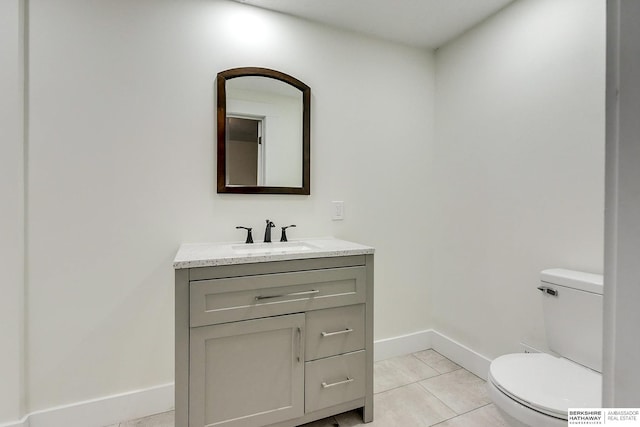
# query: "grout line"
459,415
404,385
433,367
422,379
441,401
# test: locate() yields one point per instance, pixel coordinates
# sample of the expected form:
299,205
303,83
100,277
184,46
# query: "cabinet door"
246,374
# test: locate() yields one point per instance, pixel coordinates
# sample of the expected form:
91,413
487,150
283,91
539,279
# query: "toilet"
537,389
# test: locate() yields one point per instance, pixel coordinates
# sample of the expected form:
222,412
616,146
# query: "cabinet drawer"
334,380
334,331
237,298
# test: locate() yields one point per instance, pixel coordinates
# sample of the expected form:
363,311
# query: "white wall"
122,170
518,166
621,381
11,209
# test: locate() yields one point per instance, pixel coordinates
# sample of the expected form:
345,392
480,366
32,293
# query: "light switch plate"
337,212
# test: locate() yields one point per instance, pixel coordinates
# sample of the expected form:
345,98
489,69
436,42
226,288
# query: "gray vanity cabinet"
278,343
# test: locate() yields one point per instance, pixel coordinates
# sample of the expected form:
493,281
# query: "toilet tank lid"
579,280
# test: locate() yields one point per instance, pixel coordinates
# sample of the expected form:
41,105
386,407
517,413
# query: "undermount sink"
272,248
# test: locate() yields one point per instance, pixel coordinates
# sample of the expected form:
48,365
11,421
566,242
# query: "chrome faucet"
267,231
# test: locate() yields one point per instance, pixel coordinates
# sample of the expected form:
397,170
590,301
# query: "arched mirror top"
263,132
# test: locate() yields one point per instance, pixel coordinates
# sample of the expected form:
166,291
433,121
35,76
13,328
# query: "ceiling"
421,23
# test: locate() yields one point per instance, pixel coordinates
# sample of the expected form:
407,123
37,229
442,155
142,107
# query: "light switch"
338,210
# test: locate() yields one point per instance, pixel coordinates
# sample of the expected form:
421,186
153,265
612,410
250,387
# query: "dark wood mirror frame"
306,131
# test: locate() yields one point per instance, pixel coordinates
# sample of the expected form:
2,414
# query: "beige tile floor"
418,390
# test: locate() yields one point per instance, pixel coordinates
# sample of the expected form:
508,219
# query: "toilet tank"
572,302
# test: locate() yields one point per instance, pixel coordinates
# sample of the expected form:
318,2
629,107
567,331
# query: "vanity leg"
367,413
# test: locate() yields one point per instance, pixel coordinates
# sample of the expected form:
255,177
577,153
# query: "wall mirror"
263,132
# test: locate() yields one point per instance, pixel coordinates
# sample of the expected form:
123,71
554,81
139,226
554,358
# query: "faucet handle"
267,231
249,236
283,236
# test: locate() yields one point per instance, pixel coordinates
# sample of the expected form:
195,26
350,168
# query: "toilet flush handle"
547,290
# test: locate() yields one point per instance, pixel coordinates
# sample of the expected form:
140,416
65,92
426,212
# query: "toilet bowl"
537,389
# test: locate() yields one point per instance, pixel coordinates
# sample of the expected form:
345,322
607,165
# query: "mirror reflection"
263,132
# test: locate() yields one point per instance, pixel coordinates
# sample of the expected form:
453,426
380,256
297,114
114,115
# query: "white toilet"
537,389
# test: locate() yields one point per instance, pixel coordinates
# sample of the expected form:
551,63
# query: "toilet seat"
547,384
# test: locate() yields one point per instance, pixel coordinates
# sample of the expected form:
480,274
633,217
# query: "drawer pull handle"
330,334
348,380
292,294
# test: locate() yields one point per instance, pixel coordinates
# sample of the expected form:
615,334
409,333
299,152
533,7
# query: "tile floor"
422,389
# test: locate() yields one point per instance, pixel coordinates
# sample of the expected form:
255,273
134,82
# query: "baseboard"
21,423
469,359
103,411
423,340
110,410
401,345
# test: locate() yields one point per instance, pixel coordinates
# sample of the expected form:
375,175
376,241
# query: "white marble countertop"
211,254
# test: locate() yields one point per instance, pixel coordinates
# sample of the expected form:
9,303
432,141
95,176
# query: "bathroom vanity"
276,334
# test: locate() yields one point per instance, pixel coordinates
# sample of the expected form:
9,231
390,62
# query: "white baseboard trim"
135,404
103,411
401,345
469,359
21,423
423,340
